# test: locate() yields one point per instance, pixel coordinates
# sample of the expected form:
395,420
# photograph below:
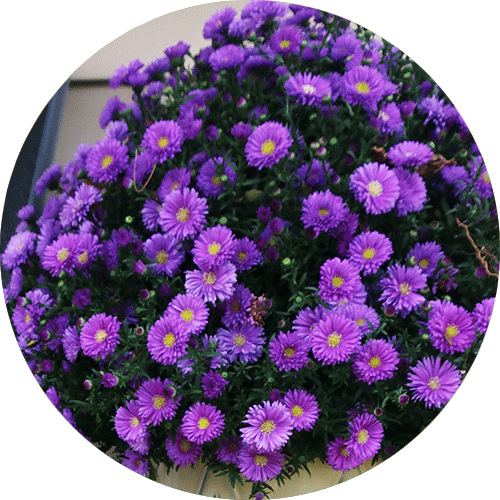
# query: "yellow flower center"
451,331
343,451
187,315
337,281
161,257
83,257
308,89
182,214
486,178
242,256
284,44
216,180
134,422
375,188
368,253
334,339
185,445
214,248
169,339
323,211
209,278
100,336
27,318
163,142
360,322
375,362
405,288
267,427
268,147
289,351
423,263
159,402
239,340
203,423
62,255
20,247
260,460
175,185
297,411
363,436
434,383
106,161
362,87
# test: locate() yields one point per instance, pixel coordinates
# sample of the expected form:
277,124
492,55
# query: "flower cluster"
287,252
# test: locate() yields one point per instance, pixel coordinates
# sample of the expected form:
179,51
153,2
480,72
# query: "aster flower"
109,380
182,451
241,342
209,180
376,187
323,210
400,288
426,256
202,422
89,250
213,246
183,213
136,462
226,57
369,250
191,312
48,179
289,351
269,426
366,434
151,215
345,45
166,253
99,335
218,23
229,450
167,340
128,423
363,316
388,120
76,207
211,283
481,315
375,360
213,384
258,465
303,409
434,380
339,458
450,327
267,144
177,178
409,154
412,192
164,139
106,160
17,251
62,254
238,306
307,319
71,343
286,41
308,89
315,174
335,338
245,254
128,75
338,280
111,110
155,399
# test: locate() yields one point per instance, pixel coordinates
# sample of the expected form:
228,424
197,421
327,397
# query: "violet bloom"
182,451
369,250
167,340
209,176
109,380
412,192
400,288
334,339
375,360
450,327
323,210
267,144
211,283
226,57
213,384
106,160
155,399
307,319
338,280
129,425
218,23
409,154
229,450
286,41
366,434
48,179
315,174
71,343
345,45
245,254
242,342
110,112
202,422
17,251
289,351
434,380
363,316
339,458
99,335
426,256
62,254
177,178
260,466
164,139
191,312
151,215
269,426
388,120
136,462
481,315
376,186
213,246
183,213
238,306
308,89
166,253
303,409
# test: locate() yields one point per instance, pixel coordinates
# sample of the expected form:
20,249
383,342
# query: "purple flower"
308,89
286,41
48,179
177,178
229,450
450,327
99,335
226,57
202,422
245,254
218,23
129,425
260,466
167,341
213,246
191,312
426,256
375,360
20,246
213,384
26,212
481,315
345,45
267,144
128,75
211,283
376,186
163,138
338,280
242,342
71,343
166,252
388,120
183,213
289,351
111,110
151,215
480,178
363,316
369,251
335,338
366,434
106,160
62,254
209,176
412,192
109,380
323,210
177,51
241,131
339,458
136,462
315,174
434,380
269,426
400,288
238,306
155,399
182,451
409,154
303,409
